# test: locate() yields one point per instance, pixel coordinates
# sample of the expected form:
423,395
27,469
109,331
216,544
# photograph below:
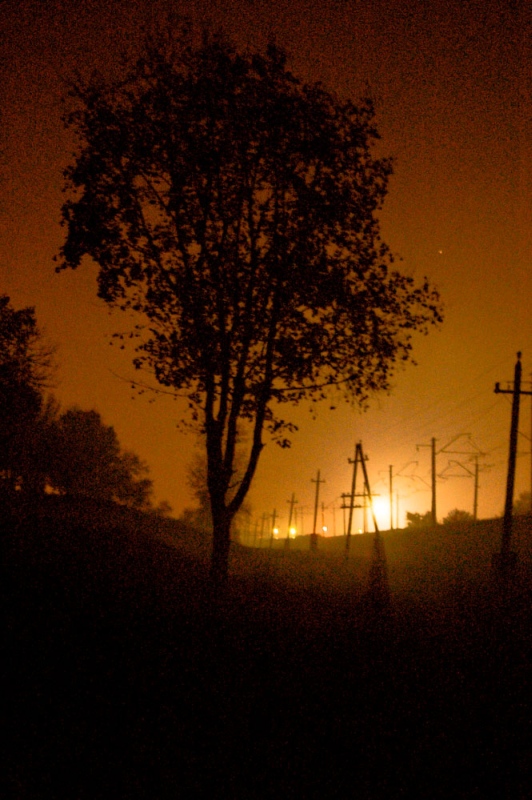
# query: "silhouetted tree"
26,366
458,517
88,461
235,208
415,520
134,487
20,406
40,446
24,355
523,504
162,509
200,517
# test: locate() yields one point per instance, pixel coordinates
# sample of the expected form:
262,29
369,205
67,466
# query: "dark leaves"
235,209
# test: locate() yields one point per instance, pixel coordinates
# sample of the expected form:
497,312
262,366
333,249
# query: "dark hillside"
126,680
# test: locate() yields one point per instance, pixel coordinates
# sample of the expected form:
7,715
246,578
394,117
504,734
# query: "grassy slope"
126,679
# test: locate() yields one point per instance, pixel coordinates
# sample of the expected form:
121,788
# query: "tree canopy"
236,209
71,452
88,461
26,365
458,517
416,520
25,359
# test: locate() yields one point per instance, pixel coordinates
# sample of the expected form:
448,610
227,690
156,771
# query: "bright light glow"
276,532
381,508
292,533
324,529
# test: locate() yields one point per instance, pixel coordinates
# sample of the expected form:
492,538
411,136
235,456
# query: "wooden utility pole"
292,502
390,468
354,462
397,510
274,518
433,472
466,472
432,445
505,561
378,591
314,535
476,475
344,520
475,495
359,459
300,513
333,509
433,468
263,523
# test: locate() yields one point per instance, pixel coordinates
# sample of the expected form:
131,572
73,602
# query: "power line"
506,560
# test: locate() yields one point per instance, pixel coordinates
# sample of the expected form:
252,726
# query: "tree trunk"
221,542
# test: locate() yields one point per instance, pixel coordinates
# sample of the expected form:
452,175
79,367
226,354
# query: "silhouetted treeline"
25,367
43,449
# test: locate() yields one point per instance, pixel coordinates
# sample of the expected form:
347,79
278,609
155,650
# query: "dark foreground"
126,680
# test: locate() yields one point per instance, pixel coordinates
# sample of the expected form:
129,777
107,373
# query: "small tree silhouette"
458,517
523,504
415,520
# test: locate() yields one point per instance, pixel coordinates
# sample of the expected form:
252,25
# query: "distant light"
381,509
360,530
276,532
440,252
292,532
324,529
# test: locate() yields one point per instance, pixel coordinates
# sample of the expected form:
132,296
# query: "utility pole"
360,458
274,518
378,591
432,445
433,468
390,468
466,472
323,525
333,508
444,449
478,470
263,523
314,535
473,454
475,495
343,507
300,513
506,560
292,502
354,462
248,528
367,502
397,510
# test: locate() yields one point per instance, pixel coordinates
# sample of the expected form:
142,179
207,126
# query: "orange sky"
452,82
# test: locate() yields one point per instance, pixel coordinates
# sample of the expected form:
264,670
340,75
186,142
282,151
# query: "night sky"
452,83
